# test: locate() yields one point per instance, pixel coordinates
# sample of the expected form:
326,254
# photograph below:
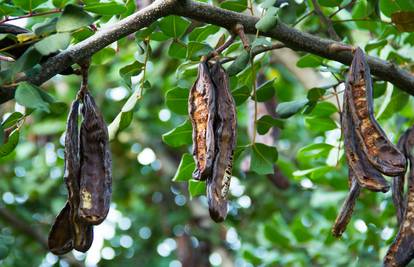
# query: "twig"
220,49
257,50
239,30
341,8
302,18
54,11
331,31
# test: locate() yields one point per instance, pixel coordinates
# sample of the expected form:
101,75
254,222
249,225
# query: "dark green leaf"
177,100
266,91
320,124
28,4
177,50
234,5
53,43
239,64
60,3
130,70
29,96
196,188
173,26
323,109
309,61
185,169
108,8
241,94
179,136
315,94
266,122
195,50
399,99
7,10
73,18
200,34
379,89
46,27
287,109
12,141
11,120
263,158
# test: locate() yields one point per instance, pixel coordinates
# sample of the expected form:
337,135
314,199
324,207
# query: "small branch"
54,11
220,49
256,51
331,31
361,19
341,8
239,30
303,17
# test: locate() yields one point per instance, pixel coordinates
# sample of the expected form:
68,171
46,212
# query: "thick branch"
291,37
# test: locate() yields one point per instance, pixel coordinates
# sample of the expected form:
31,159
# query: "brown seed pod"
398,183
382,154
96,177
401,250
60,240
347,208
201,107
225,138
366,175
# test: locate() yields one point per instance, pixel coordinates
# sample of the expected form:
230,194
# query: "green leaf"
28,4
266,91
177,50
103,56
4,251
11,120
323,109
108,8
200,34
177,100
379,89
266,122
124,118
173,26
239,64
29,96
314,150
269,20
52,43
234,5
29,59
185,169
179,136
46,27
263,158
309,61
374,45
330,3
388,7
275,235
7,10
60,3
268,3
399,99
196,188
320,124
241,94
73,18
196,50
12,141
287,109
314,173
49,127
314,94
130,70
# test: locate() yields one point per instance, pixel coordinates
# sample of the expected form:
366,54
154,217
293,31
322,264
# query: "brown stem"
220,49
239,30
54,11
341,8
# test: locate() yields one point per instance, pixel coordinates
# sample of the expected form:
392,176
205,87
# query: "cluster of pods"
88,178
370,155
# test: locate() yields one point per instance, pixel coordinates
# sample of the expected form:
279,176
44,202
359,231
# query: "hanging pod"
201,109
225,127
382,154
95,159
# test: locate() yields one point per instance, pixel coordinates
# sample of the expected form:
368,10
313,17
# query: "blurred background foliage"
277,218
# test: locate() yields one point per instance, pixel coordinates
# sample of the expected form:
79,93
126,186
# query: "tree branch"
291,37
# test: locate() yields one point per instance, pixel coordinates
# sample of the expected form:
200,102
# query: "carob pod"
225,143
347,208
60,240
366,175
382,154
96,174
401,250
398,183
68,232
82,233
201,108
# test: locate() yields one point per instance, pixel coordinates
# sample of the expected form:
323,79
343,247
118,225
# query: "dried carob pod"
401,251
347,208
225,142
68,232
382,154
201,108
366,175
96,174
398,183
